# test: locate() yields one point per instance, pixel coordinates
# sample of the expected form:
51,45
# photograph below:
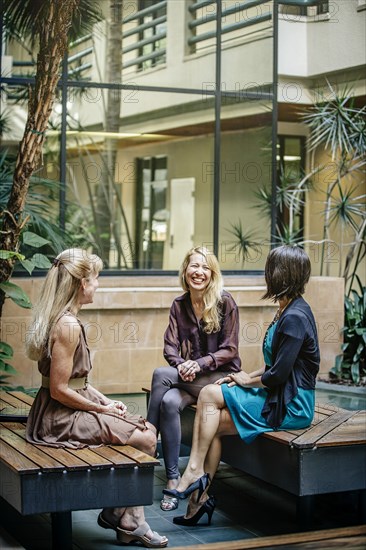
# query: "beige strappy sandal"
139,535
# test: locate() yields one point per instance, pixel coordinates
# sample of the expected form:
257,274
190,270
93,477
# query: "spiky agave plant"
339,127
245,242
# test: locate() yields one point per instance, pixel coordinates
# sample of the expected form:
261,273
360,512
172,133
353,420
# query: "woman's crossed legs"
212,421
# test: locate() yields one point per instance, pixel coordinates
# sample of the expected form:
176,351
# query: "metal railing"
80,63
304,7
149,49
234,16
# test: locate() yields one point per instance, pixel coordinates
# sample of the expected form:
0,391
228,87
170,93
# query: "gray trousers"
169,397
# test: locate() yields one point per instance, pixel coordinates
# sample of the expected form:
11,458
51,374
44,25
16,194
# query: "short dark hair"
287,271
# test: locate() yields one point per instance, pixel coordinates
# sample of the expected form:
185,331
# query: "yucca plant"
245,243
337,124
346,210
290,195
287,235
339,127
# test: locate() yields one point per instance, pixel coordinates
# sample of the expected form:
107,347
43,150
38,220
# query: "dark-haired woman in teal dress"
280,395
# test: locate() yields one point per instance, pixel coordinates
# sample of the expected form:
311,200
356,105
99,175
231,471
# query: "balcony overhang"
301,3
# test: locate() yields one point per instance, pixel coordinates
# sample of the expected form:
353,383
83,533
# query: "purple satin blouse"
185,338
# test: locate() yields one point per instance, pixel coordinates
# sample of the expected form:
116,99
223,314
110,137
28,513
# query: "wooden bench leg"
362,506
305,511
61,531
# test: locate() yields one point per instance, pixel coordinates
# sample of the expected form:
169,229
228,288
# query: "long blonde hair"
59,294
212,293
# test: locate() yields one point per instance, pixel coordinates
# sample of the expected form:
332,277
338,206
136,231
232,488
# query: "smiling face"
197,274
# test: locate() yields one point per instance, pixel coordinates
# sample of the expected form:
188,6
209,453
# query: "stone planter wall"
126,323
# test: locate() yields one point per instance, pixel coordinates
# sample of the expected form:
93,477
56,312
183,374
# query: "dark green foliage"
42,238
6,370
25,19
351,364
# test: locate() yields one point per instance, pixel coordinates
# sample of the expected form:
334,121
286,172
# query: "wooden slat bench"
327,457
37,479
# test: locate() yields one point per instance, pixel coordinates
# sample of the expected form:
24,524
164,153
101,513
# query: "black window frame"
217,94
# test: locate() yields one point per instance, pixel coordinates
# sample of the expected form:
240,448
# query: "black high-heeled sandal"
201,484
207,507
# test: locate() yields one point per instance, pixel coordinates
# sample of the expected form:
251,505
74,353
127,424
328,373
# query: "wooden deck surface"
331,426
28,458
351,538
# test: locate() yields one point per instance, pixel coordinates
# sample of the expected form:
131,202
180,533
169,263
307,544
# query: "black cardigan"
295,360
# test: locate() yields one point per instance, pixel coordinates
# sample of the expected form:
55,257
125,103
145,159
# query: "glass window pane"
18,59
292,190
245,191
13,113
141,195
140,164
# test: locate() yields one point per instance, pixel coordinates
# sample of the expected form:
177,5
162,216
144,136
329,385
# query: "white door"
181,224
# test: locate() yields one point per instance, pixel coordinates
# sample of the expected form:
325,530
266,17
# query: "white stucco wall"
317,45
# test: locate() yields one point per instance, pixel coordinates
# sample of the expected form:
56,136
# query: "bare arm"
252,380
66,336
258,372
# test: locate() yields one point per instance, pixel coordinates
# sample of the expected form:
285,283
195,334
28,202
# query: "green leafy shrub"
19,297
6,369
351,364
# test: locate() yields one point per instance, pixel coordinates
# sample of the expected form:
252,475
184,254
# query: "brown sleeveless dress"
52,423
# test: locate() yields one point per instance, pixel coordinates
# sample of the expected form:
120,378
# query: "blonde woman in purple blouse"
200,346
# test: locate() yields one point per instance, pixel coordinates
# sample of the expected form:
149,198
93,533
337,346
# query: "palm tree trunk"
53,45
105,193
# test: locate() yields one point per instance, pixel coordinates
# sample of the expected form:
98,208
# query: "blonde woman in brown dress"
68,411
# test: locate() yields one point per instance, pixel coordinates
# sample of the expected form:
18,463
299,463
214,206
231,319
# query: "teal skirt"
246,404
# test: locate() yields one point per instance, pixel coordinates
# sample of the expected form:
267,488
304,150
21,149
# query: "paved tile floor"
246,508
